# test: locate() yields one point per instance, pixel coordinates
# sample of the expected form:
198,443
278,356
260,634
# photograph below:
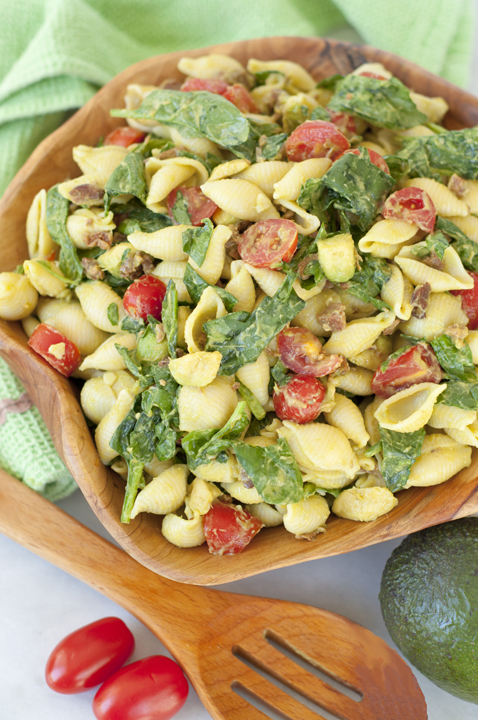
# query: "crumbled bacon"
92,269
237,229
303,264
171,153
433,261
245,479
420,300
457,333
82,194
312,535
391,328
117,236
136,264
457,185
333,317
102,240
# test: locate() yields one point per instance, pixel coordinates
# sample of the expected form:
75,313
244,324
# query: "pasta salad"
269,289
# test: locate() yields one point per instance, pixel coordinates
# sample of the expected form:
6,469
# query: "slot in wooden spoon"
214,634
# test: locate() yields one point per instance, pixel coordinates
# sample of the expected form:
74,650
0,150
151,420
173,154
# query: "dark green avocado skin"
429,600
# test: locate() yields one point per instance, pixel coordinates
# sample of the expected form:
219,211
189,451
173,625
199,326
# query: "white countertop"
40,604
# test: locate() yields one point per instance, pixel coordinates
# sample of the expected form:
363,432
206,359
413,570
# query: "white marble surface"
40,604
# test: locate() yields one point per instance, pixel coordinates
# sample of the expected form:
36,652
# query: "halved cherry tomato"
199,206
417,364
315,139
241,98
145,297
413,205
124,136
268,242
55,347
302,352
218,87
376,76
469,302
344,121
375,158
229,528
299,400
88,656
154,688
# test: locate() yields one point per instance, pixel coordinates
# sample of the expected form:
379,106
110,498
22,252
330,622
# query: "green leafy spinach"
273,470
400,450
56,216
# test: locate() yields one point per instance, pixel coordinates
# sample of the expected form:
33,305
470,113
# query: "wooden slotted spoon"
208,632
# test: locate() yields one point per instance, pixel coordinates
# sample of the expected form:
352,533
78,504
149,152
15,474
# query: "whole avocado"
429,601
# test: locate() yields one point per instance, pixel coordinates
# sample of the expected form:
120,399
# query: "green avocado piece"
429,600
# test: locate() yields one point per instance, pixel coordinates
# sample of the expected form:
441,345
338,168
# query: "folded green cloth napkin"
55,54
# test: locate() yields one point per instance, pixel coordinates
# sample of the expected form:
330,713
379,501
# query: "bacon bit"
180,352
342,370
164,362
82,194
420,300
312,535
171,153
237,229
118,237
333,317
136,265
245,479
102,240
303,264
391,328
457,333
457,185
236,386
92,269
328,285
433,261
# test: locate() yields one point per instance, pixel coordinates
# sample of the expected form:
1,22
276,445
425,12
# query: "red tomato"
299,400
65,356
301,352
345,122
88,656
469,302
376,76
268,242
241,98
150,689
315,139
229,528
199,206
417,364
145,297
218,87
413,205
124,136
375,158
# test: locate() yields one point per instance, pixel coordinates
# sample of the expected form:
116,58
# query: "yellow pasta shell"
410,409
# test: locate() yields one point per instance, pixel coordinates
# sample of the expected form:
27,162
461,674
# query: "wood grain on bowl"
57,399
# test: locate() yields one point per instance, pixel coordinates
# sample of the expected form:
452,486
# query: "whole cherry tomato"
154,688
198,205
417,364
315,139
469,302
269,242
302,352
218,87
413,205
145,297
124,136
88,656
299,400
241,98
375,158
229,528
55,347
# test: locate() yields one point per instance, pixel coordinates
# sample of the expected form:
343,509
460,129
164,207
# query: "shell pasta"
269,297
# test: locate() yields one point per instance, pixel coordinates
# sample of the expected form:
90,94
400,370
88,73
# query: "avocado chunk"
337,257
429,601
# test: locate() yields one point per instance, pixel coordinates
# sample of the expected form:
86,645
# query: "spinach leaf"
113,313
460,394
353,184
466,248
196,241
294,116
128,178
437,243
169,315
194,114
254,404
330,83
204,446
140,218
320,113
279,374
457,363
455,151
179,210
131,324
273,470
273,146
369,280
262,76
264,128
384,103
196,286
166,445
241,337
400,450
56,215
398,166
256,425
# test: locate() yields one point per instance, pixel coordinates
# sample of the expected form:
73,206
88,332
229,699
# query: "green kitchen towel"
55,54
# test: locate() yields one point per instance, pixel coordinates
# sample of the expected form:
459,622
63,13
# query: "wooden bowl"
57,398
